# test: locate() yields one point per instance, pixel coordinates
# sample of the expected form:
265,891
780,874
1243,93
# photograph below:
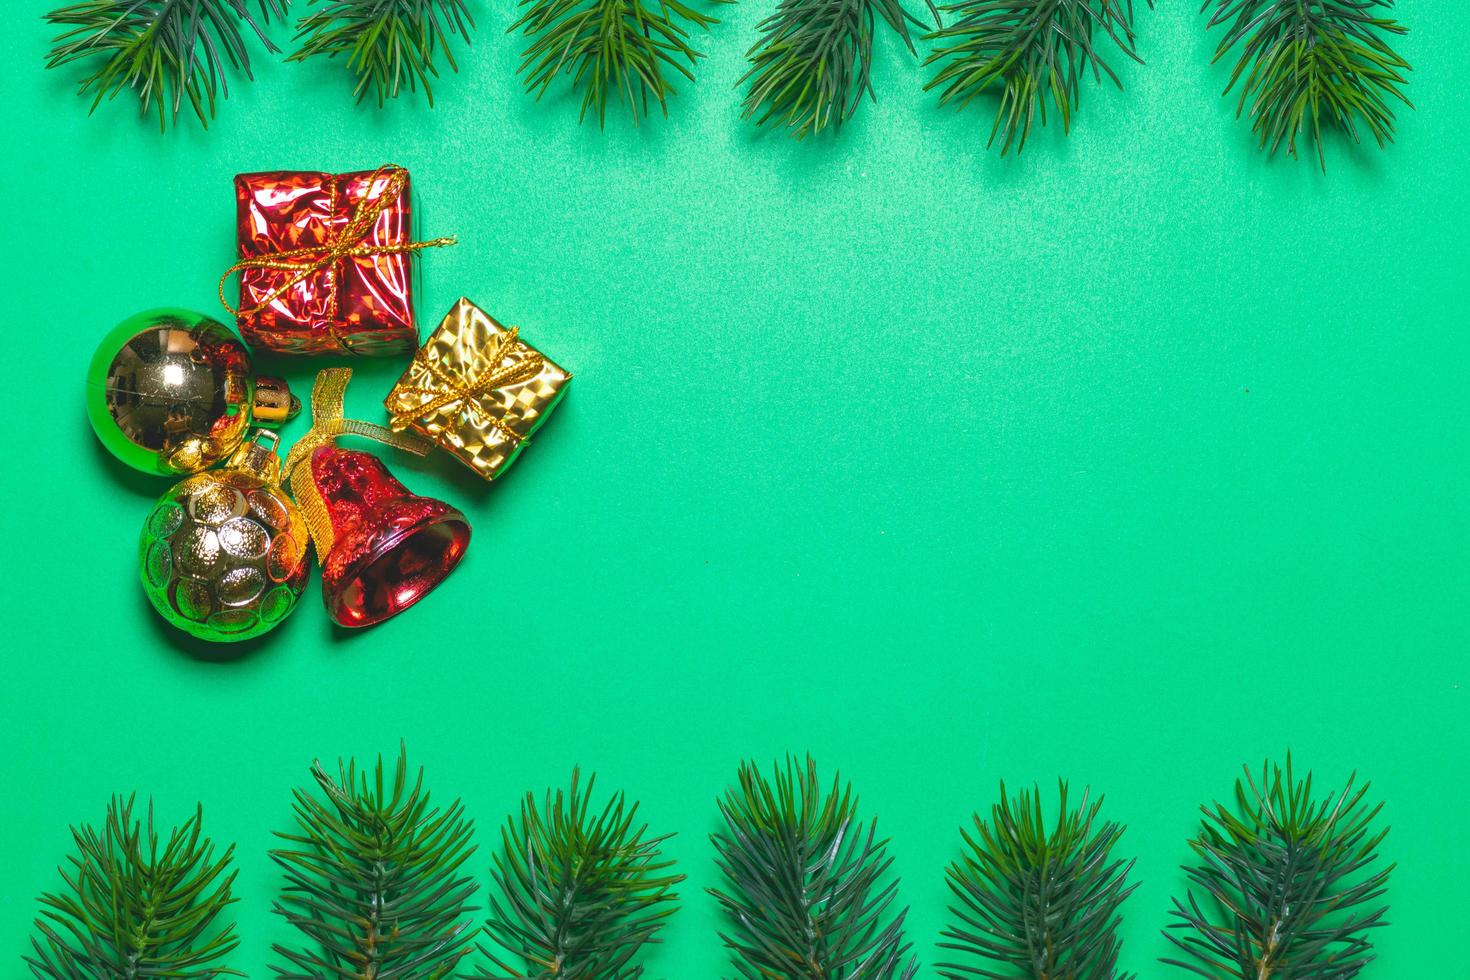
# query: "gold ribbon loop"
328,395
406,401
346,244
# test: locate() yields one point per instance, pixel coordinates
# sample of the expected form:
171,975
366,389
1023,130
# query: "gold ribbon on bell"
328,395
347,243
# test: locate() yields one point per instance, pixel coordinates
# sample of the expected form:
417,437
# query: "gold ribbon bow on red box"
324,264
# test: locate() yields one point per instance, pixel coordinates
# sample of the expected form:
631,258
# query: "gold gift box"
477,389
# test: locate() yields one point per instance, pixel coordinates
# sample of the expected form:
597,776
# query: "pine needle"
163,51
813,62
610,49
1308,63
389,45
132,909
809,897
372,879
1038,903
1029,52
581,891
1286,889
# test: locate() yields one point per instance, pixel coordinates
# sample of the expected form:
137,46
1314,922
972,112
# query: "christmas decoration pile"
326,267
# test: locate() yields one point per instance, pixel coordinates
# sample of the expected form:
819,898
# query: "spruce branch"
609,48
1304,63
1029,51
813,62
132,909
163,51
580,890
389,45
372,879
1286,886
1038,903
809,896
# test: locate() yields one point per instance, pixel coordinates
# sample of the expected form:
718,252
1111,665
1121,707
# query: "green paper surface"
1130,459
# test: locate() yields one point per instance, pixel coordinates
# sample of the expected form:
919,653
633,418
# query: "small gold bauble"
223,555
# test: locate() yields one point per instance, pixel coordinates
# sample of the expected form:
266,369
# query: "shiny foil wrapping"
359,304
451,393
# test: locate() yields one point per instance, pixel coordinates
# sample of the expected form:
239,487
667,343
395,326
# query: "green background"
1130,459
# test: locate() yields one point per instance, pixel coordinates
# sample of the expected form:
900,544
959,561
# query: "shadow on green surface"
202,650
118,473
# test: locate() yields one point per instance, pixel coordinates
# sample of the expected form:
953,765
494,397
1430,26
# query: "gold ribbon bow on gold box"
477,389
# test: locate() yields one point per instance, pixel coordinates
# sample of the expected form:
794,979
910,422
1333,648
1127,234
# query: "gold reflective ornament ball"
223,555
170,391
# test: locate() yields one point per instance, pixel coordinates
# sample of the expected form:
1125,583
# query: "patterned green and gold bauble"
170,391
223,555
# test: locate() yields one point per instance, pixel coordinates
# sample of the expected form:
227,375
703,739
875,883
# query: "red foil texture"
359,304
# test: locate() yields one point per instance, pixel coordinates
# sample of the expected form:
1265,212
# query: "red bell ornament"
390,547
382,548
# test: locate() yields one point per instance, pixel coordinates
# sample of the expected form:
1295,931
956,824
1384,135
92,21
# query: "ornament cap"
259,459
274,403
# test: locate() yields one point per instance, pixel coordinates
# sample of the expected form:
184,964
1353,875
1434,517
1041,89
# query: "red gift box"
326,262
